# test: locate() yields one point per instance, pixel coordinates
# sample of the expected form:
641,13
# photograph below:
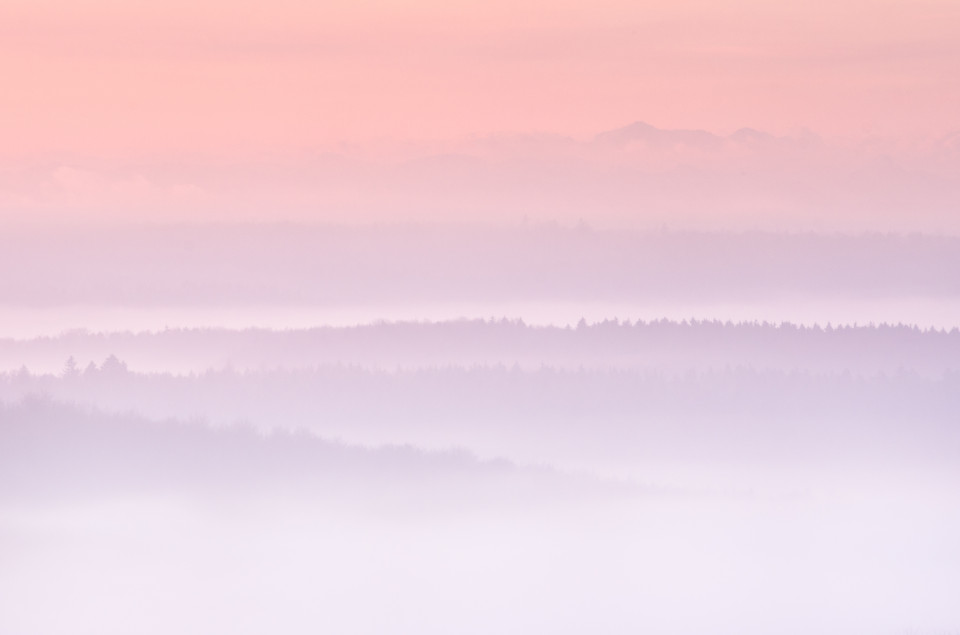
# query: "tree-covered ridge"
50,448
663,344
738,412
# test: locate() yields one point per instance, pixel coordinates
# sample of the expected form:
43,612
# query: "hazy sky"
132,78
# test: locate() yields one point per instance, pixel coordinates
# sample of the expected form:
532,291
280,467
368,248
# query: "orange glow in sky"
118,78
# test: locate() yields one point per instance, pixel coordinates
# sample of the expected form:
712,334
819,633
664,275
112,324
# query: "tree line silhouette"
697,344
734,411
56,450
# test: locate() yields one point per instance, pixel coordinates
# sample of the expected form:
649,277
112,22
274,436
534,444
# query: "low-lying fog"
875,563
111,524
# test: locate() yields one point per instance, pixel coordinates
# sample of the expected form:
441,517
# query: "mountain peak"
644,133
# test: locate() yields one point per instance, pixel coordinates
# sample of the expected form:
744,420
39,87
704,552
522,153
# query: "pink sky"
124,78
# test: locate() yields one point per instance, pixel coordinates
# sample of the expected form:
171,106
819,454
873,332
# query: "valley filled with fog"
544,436
485,317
